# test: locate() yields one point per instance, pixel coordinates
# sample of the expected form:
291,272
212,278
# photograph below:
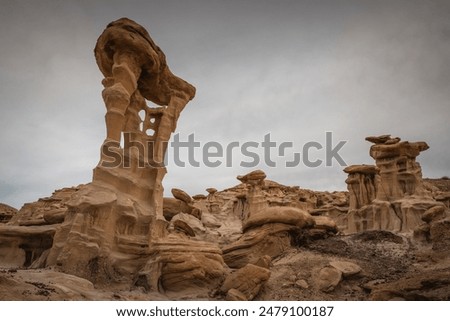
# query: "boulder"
247,280
188,223
325,223
302,284
278,214
177,264
346,268
181,195
434,213
271,239
173,206
328,278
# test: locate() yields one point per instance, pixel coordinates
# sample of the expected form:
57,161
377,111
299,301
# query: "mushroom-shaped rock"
255,176
211,190
361,169
199,197
378,139
280,214
181,195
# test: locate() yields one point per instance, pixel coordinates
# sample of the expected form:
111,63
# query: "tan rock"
181,195
257,176
178,264
325,223
198,197
361,169
361,184
264,261
433,214
347,268
277,214
235,295
302,284
22,246
6,213
194,223
55,216
209,220
378,139
184,227
390,195
107,231
328,278
213,201
247,280
211,190
255,198
173,206
270,239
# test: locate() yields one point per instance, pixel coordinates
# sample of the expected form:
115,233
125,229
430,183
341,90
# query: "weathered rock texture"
115,230
112,224
6,213
391,195
117,238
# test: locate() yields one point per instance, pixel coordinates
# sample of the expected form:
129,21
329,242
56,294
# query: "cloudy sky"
294,69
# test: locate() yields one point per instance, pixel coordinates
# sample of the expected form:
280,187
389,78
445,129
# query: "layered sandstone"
390,195
118,238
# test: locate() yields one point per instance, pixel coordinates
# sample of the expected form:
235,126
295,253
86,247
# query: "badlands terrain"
119,238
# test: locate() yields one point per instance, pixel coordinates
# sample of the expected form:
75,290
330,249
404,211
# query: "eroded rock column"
391,195
110,224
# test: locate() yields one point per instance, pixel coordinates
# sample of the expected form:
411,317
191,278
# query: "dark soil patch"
377,236
44,289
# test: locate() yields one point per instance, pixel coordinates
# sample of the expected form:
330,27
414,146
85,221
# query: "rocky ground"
291,250
391,267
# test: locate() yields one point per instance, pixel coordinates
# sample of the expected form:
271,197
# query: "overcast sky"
294,69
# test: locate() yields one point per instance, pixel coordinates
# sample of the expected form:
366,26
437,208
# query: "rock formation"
391,195
114,230
118,238
6,213
112,224
268,230
255,197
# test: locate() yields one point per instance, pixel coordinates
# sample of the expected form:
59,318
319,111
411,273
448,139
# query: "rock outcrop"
6,213
118,238
391,195
182,202
269,230
114,230
245,283
111,223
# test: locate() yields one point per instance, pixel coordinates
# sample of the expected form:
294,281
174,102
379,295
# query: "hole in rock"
142,115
